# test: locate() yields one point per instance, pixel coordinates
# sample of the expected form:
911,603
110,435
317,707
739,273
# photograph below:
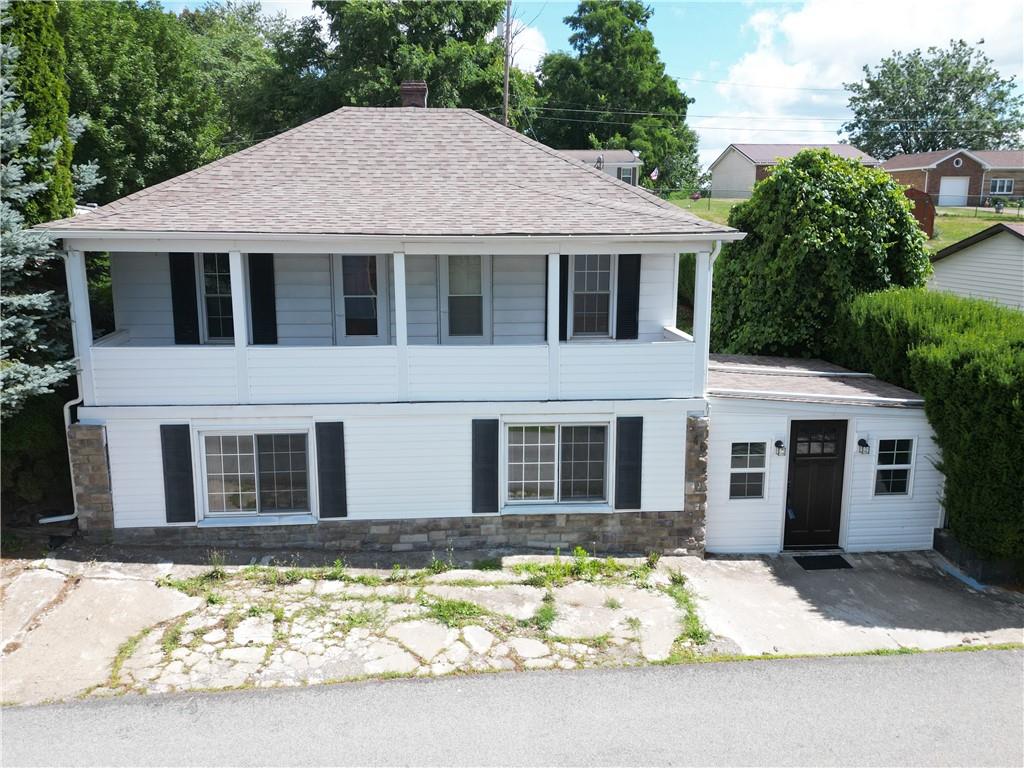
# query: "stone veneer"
90,476
620,532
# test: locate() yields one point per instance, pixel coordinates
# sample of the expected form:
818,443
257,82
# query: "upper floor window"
893,467
1001,187
465,298
627,175
591,295
359,284
216,286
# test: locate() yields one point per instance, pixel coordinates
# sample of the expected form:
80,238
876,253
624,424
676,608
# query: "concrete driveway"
772,605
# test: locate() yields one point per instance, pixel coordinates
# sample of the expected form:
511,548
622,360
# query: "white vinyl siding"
141,286
658,294
869,522
302,290
732,177
421,298
427,447
992,269
519,299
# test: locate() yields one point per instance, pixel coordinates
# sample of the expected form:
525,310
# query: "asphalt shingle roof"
614,156
767,154
756,377
394,171
994,158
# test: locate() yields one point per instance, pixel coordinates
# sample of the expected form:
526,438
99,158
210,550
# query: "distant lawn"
706,208
951,224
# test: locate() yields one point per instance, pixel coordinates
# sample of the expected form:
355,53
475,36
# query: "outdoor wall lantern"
863,446
780,448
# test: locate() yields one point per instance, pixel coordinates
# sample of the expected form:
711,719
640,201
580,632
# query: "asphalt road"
934,709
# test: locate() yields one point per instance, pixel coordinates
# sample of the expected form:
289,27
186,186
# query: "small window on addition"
746,480
895,461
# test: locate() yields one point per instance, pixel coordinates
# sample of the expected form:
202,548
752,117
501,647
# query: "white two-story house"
466,340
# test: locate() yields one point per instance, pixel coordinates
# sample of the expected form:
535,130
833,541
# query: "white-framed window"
747,465
215,297
465,283
362,312
256,472
958,162
1000,187
557,463
627,175
894,464
592,288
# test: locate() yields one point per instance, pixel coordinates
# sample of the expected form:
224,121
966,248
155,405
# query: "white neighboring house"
987,265
624,164
475,349
740,166
807,455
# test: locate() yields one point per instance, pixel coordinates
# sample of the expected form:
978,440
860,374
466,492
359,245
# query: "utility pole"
508,54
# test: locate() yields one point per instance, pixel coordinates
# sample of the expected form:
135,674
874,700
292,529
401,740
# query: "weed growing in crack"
546,614
124,652
652,559
487,564
693,629
172,637
612,604
364,617
633,623
453,613
195,585
278,612
215,598
581,566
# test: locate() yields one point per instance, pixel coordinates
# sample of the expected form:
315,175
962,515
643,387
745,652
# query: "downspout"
67,418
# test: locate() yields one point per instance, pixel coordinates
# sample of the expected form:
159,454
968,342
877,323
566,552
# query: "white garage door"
953,190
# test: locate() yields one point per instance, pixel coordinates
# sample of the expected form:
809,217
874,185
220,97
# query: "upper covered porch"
282,326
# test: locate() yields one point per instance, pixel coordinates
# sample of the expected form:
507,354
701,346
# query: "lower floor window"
257,473
748,483
895,459
553,462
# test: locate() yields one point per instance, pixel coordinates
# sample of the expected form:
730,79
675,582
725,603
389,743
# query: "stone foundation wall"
90,478
618,532
696,499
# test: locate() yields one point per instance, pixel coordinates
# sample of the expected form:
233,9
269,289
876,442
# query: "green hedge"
966,358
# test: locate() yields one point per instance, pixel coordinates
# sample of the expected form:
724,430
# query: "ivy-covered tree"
939,99
820,231
32,29
614,93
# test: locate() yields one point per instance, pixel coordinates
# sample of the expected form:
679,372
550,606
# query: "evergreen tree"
32,29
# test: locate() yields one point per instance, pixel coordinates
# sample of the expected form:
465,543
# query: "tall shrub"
820,231
966,358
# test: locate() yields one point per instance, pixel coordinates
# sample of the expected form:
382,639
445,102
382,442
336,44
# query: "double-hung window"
361,291
592,295
216,304
627,175
1000,187
893,467
256,473
747,468
465,296
557,463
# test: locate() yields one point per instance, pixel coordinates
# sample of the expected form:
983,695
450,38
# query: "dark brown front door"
817,452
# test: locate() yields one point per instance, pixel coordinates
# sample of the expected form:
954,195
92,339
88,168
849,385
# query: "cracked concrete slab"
76,642
28,594
518,601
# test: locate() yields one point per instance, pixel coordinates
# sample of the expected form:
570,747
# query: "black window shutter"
628,461
627,310
179,490
183,298
330,463
563,298
485,465
263,306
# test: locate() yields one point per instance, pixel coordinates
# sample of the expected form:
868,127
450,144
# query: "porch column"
554,294
240,323
702,321
401,327
81,321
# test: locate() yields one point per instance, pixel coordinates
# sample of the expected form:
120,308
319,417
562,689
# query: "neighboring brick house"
740,166
961,176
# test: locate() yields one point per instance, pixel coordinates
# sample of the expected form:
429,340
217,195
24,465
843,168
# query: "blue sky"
773,71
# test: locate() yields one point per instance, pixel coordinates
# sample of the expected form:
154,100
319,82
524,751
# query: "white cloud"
293,9
528,47
824,43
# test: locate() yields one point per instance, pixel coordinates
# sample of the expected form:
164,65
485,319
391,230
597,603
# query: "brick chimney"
414,93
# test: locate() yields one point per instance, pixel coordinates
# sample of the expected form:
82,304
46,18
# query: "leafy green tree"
136,73
945,98
32,29
820,231
614,93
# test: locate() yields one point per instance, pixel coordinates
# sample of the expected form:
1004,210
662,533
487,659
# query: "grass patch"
172,637
454,613
580,566
546,614
124,652
693,630
365,617
196,585
487,564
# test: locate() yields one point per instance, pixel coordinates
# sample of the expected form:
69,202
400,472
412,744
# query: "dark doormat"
822,562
